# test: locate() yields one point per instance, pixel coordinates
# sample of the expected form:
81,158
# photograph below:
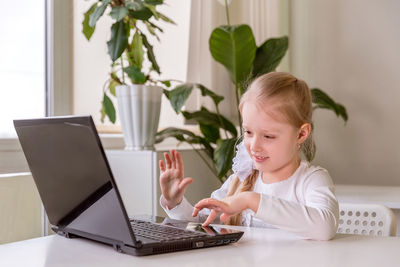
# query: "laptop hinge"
138,244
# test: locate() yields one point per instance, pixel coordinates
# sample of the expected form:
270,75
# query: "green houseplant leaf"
269,55
323,100
207,92
235,48
109,109
211,133
185,136
86,29
137,51
154,2
118,41
134,73
98,12
179,95
150,54
119,12
206,117
223,155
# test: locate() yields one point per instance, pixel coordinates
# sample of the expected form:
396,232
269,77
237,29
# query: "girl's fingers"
179,162
184,183
195,212
167,160
211,217
224,217
173,164
162,166
211,203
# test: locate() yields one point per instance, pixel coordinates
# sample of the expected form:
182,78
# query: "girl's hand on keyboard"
172,183
228,206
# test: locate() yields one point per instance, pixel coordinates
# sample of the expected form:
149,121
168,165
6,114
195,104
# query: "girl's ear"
303,133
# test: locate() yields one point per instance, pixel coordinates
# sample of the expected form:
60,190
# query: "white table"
258,247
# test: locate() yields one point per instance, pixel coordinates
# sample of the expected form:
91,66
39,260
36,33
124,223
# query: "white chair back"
366,219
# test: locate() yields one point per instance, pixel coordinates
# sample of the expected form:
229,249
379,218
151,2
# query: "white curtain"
267,18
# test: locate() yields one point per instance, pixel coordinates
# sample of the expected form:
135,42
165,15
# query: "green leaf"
210,133
165,18
206,117
155,26
86,29
324,101
114,77
102,112
269,55
135,74
141,14
153,10
235,48
109,108
167,83
154,2
223,155
207,92
134,4
185,136
112,86
137,51
150,54
98,12
118,41
119,12
151,30
179,95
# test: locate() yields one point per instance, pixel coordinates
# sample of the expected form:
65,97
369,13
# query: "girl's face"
271,143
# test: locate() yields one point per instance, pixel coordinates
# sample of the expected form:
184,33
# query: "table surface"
385,195
269,247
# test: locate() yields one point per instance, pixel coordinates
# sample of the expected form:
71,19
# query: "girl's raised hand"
172,183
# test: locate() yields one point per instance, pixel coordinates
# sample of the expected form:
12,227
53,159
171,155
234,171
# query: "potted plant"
131,80
234,47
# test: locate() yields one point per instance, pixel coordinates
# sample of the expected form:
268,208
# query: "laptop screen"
71,173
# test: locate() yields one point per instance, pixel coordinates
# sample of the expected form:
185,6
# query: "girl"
271,185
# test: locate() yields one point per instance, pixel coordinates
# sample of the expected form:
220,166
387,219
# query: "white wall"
91,61
350,49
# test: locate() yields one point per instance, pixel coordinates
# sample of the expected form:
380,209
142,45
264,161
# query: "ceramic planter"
139,113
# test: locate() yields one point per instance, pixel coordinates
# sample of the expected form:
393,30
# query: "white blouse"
304,204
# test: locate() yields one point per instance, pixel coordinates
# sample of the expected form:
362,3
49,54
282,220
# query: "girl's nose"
255,144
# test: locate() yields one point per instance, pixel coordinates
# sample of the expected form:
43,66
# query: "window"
22,64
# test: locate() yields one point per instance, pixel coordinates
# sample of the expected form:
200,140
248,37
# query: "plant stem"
237,104
227,12
122,69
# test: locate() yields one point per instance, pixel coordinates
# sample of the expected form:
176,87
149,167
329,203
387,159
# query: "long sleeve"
184,210
315,219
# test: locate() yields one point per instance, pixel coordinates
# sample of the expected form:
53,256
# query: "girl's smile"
259,159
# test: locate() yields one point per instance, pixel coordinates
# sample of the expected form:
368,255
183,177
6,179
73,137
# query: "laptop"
81,198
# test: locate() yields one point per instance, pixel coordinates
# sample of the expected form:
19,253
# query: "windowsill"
14,159
111,139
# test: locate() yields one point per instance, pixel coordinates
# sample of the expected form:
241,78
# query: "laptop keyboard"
161,232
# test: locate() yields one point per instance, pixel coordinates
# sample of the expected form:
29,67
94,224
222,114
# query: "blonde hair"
291,98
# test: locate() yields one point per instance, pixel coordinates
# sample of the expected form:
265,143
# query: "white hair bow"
242,162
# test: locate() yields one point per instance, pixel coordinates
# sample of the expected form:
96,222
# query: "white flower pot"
139,113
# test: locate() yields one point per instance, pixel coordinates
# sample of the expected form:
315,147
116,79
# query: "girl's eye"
269,136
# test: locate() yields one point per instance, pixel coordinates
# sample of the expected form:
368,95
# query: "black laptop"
81,198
